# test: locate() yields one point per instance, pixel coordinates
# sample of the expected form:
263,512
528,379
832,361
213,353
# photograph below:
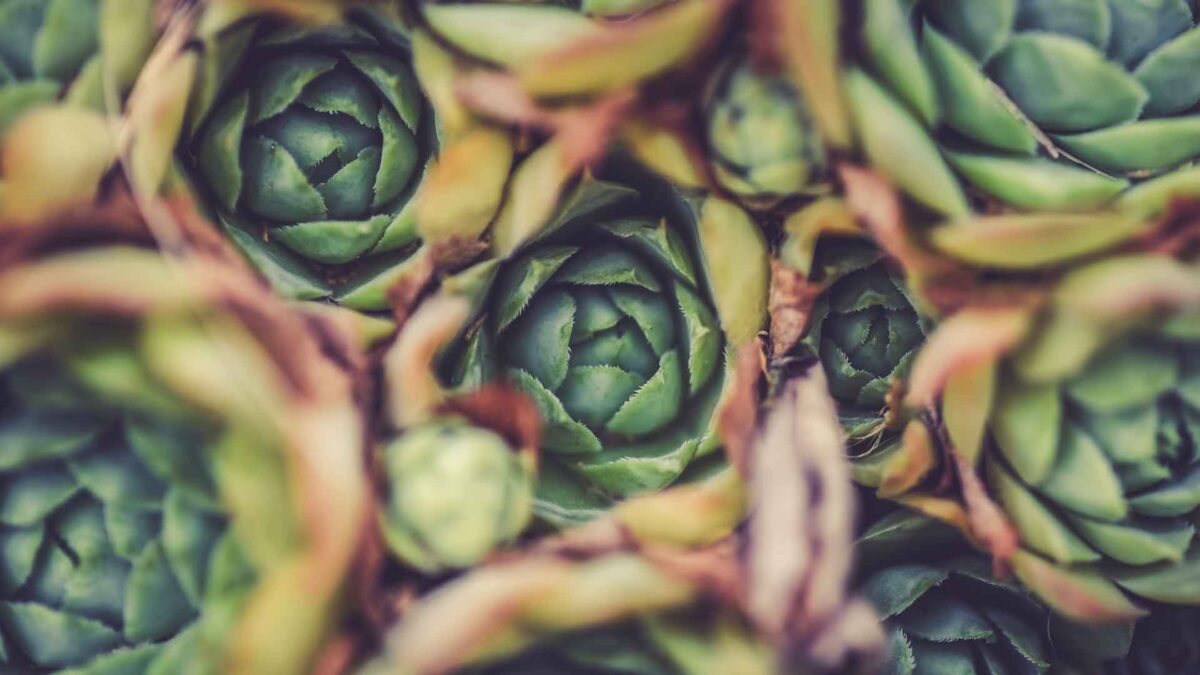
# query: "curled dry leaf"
504,410
800,541
412,389
738,414
790,304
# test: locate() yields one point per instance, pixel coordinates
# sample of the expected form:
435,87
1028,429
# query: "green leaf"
276,187
1140,27
155,606
1040,529
605,266
593,394
560,431
970,103
1037,184
893,53
1174,583
114,474
349,192
341,92
655,404
509,34
37,435
1066,85
1146,145
539,342
1087,20
188,537
1083,480
1139,542
67,39
282,80
896,588
701,337
940,617
96,589
398,160
55,639
18,550
657,241
1177,497
29,496
1164,74
332,241
1128,376
981,26
521,280
896,143
395,82
1028,425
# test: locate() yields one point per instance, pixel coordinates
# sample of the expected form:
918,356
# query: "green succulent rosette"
1081,411
762,147
157,513
455,493
864,329
1040,105
309,144
1166,642
615,319
945,612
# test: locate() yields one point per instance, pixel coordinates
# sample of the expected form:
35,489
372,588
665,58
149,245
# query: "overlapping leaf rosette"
945,611
1077,407
181,491
865,330
615,318
308,142
1046,105
65,69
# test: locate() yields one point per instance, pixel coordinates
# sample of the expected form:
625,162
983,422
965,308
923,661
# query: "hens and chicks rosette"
570,336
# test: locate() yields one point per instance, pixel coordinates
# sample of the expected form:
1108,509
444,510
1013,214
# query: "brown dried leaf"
737,416
412,391
503,410
790,305
969,338
800,534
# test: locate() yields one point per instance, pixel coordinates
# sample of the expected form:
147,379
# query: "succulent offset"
762,146
312,151
456,491
1049,104
864,329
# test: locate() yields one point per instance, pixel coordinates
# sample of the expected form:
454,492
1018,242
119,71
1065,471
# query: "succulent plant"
761,144
612,321
311,151
153,518
1050,104
1083,418
945,611
64,65
456,492
864,329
